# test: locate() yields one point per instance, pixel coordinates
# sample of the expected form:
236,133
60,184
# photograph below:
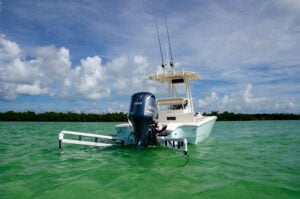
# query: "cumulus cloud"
246,102
52,62
87,81
34,76
50,72
8,49
31,89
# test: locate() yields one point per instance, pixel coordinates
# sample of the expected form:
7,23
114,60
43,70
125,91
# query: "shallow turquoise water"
257,159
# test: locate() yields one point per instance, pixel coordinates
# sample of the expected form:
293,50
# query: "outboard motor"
142,113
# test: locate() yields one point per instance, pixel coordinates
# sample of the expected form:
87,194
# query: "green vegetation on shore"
227,116
122,117
62,117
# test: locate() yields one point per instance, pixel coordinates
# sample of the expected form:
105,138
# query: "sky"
91,56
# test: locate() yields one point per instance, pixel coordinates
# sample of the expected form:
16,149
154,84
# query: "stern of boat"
193,132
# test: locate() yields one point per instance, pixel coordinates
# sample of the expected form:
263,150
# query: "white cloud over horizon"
247,102
50,72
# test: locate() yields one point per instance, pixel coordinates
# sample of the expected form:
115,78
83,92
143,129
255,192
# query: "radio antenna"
159,43
170,48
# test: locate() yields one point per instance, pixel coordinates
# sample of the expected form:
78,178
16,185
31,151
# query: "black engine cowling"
142,114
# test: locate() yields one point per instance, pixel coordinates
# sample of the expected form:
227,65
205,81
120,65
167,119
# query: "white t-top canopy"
172,78
167,77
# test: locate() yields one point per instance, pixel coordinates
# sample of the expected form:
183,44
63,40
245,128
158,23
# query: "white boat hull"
194,132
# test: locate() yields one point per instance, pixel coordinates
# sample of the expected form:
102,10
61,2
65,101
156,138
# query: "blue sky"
91,56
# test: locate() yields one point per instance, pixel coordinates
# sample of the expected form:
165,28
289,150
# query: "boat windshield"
179,90
172,104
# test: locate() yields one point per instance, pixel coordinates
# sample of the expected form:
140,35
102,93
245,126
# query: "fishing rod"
159,43
170,48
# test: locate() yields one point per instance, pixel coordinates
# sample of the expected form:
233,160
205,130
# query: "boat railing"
99,140
179,144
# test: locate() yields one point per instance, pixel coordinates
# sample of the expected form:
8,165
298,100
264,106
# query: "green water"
239,160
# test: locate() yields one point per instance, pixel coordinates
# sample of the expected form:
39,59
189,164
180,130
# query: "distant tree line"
122,117
62,117
227,116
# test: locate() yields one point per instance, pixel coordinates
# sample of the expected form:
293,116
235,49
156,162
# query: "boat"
169,122
175,117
